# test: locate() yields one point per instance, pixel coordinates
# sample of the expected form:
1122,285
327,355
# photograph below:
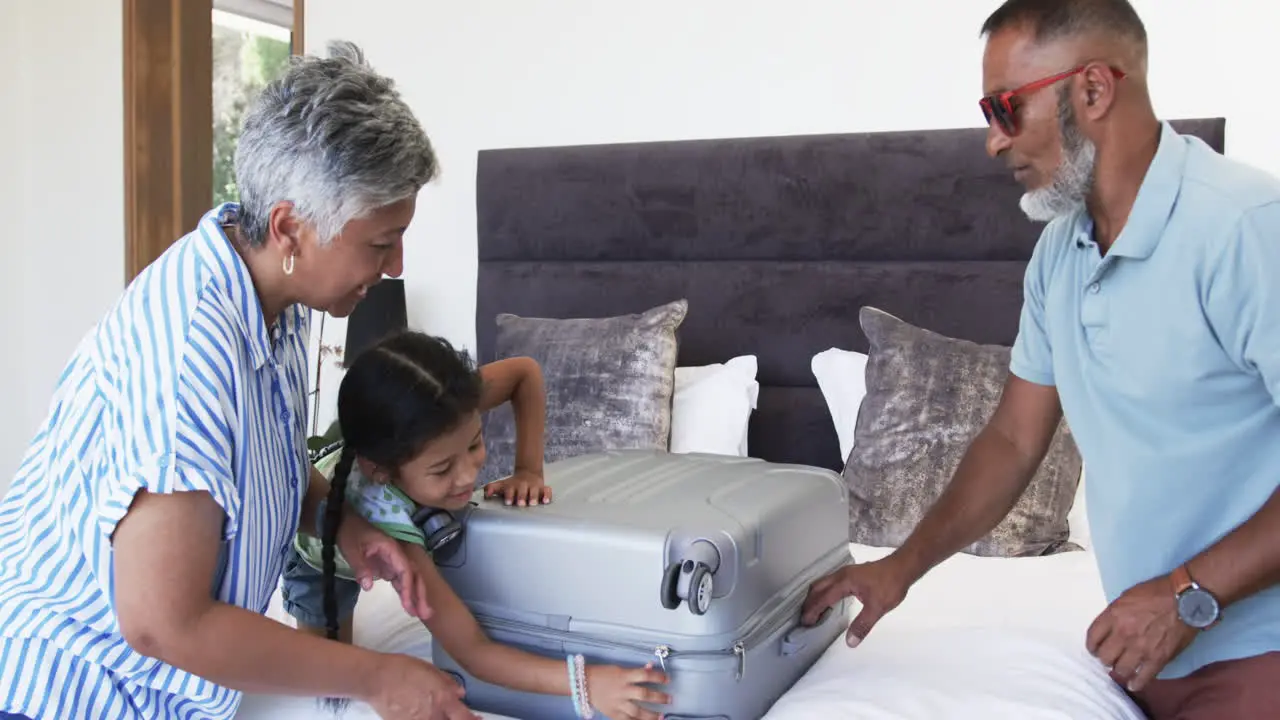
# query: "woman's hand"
522,488
374,555
406,688
616,692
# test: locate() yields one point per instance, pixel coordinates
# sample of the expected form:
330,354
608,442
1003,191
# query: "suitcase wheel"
700,587
688,581
668,592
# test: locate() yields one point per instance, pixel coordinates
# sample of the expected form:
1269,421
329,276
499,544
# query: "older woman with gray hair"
146,530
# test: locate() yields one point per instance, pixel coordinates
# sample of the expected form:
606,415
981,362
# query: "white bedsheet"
976,638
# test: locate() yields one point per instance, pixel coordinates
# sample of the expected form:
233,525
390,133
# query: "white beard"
1071,182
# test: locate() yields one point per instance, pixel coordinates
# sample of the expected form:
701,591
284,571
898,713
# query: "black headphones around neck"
440,528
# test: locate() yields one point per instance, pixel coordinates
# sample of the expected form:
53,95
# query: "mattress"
976,638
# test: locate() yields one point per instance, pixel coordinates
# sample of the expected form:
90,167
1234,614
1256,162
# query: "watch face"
1197,608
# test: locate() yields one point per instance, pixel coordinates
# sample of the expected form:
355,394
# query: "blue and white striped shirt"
182,386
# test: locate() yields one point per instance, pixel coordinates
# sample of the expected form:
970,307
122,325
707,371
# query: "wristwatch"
1197,607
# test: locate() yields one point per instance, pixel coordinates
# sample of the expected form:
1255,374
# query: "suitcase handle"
797,638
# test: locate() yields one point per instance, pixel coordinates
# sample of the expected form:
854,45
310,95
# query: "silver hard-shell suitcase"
697,563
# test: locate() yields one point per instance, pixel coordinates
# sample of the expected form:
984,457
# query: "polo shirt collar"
1156,198
231,273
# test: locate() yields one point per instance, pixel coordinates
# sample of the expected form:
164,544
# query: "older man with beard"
1151,318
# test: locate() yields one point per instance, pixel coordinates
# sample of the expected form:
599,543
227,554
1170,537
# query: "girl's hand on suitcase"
616,692
880,586
522,488
406,688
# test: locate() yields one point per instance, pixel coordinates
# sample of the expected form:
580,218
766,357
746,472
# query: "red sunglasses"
1001,108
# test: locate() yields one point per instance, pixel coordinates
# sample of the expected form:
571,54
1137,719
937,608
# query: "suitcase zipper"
661,652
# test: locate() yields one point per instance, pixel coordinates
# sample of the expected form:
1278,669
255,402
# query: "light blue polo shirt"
1166,356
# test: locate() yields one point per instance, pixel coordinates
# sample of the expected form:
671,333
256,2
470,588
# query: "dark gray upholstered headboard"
775,241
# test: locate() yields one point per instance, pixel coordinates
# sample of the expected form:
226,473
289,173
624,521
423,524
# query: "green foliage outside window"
243,63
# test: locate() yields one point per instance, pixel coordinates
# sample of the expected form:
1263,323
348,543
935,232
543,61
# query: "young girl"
410,413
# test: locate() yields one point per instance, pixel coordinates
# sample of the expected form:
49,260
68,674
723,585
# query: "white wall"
13,125
494,73
491,73
61,196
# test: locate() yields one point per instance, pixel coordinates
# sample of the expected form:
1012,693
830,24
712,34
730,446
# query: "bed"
776,243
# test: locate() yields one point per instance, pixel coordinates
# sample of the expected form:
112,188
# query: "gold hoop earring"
288,265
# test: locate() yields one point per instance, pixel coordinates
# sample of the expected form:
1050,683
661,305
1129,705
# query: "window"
249,50
169,121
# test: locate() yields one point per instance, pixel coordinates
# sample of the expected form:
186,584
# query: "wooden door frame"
168,122
299,26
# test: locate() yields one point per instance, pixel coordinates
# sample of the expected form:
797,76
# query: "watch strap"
1181,578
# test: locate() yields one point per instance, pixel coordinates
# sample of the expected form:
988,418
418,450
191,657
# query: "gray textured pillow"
927,397
609,383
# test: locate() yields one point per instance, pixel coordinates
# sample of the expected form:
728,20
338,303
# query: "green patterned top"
382,504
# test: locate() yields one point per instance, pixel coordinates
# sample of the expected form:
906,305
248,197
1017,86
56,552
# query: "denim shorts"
302,589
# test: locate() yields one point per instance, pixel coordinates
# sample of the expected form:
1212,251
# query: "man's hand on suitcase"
879,585
616,691
522,488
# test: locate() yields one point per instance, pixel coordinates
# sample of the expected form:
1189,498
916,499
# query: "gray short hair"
1051,20
332,137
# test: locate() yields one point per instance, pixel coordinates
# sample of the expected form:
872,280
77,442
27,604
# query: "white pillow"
842,378
712,406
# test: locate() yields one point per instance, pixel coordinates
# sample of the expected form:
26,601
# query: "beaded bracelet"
573,685
587,711
578,687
